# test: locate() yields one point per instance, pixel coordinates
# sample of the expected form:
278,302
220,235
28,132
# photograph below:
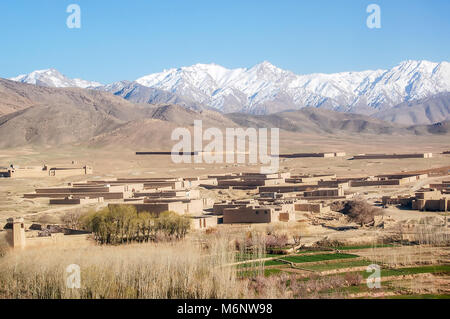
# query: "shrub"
353,278
123,224
172,225
276,241
73,219
360,211
327,243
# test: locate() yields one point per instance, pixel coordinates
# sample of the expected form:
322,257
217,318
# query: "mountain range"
49,109
48,116
267,89
53,78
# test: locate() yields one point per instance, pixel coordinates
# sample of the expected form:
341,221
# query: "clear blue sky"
128,39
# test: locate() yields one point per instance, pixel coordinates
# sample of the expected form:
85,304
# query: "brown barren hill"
320,121
154,133
46,116
420,112
54,116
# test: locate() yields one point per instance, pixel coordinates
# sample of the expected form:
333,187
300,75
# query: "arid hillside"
42,116
426,111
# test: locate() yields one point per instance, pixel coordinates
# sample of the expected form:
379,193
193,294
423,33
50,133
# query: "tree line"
123,224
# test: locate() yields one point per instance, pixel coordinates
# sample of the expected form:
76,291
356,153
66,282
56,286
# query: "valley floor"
418,271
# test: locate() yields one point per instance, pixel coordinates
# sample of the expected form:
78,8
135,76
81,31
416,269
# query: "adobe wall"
333,184
43,171
250,182
5,173
208,181
29,172
246,215
105,196
286,216
310,179
146,180
298,155
286,188
203,222
60,240
223,176
17,238
197,183
434,194
192,194
375,183
75,201
208,202
195,206
173,185
157,208
392,156
70,190
258,176
332,192
65,172
437,205
310,207
440,186
218,208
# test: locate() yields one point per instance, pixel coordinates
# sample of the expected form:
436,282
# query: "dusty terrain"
123,162
416,271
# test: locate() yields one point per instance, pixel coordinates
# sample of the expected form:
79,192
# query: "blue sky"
128,39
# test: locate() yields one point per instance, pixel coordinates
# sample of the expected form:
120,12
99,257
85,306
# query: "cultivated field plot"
343,275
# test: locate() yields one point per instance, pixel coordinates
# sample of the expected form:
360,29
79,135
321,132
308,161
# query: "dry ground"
121,163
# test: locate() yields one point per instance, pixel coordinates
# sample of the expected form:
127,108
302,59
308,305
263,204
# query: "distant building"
256,214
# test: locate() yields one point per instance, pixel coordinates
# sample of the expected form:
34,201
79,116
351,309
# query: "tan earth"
123,162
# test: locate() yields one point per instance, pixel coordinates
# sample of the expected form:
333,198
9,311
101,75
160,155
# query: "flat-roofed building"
257,214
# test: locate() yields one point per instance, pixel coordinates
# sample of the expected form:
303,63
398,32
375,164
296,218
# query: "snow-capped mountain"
265,88
53,78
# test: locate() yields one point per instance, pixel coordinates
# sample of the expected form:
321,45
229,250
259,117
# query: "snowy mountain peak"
266,65
53,78
265,88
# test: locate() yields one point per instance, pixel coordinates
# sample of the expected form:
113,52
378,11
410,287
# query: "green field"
338,265
253,273
445,269
313,251
297,259
244,257
266,263
426,296
365,246
345,260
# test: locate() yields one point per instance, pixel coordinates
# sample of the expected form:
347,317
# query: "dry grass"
4,247
288,286
407,255
179,270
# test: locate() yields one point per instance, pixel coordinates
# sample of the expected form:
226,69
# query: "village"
324,217
283,197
